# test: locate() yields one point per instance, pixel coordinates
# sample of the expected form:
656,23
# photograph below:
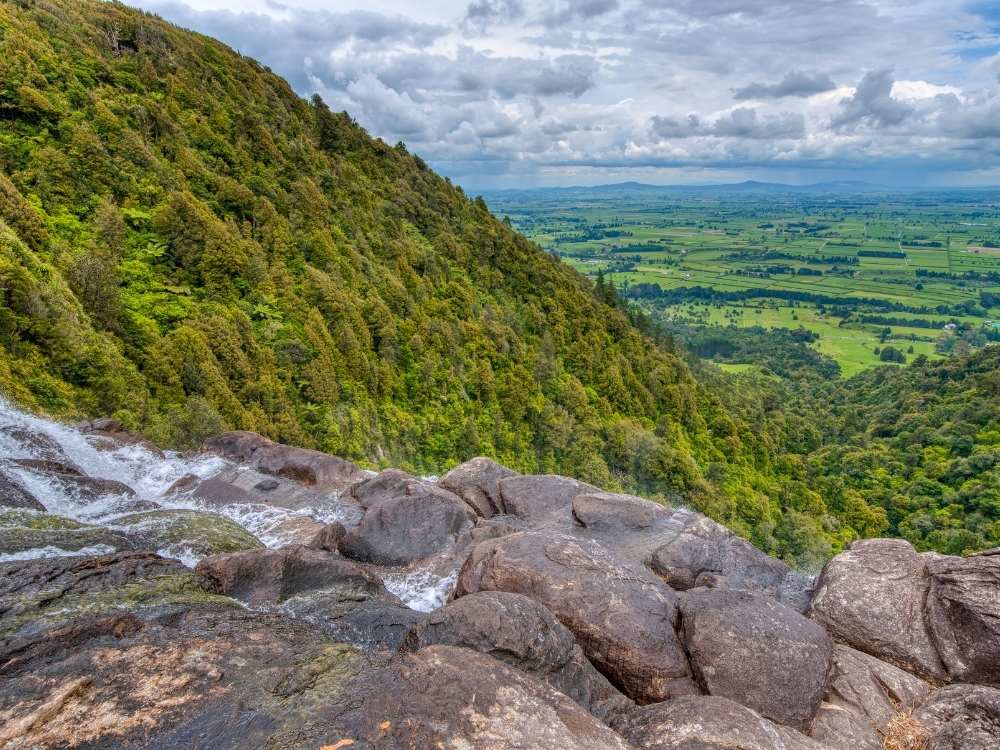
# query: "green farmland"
918,273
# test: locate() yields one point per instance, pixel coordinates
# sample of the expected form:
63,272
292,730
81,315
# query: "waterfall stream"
151,475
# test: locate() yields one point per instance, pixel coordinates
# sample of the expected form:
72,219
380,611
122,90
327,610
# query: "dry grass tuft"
905,733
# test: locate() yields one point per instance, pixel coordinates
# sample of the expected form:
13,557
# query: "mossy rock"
22,531
38,594
186,532
27,519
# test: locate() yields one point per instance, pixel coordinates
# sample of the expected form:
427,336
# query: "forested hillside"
189,246
922,443
905,451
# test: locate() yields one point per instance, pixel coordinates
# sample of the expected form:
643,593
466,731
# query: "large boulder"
622,616
27,534
448,697
704,722
309,467
521,632
386,485
872,599
608,511
541,499
187,534
963,614
477,482
961,717
406,521
14,495
754,650
701,552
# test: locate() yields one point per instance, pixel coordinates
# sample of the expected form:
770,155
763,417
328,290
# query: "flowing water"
151,475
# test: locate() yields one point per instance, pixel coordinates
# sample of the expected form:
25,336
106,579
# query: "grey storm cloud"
484,13
872,104
795,83
569,10
568,74
740,123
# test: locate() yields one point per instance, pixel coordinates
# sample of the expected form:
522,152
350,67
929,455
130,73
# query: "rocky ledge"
563,616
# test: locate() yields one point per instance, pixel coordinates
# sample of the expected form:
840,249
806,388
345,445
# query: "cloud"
550,88
872,104
795,83
745,123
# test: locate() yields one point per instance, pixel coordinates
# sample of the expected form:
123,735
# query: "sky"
525,93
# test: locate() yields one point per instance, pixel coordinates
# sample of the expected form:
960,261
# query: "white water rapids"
151,475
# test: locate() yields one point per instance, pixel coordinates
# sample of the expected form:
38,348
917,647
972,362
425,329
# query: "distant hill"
749,186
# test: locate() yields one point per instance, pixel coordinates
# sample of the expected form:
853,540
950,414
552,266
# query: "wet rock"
872,690
13,495
963,615
606,511
622,616
270,576
244,486
22,531
329,537
538,499
405,521
185,533
477,482
298,529
754,650
308,467
110,434
705,553
84,489
40,445
344,600
49,466
521,632
703,722
962,717
872,599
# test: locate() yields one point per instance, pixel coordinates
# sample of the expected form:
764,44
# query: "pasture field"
918,272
